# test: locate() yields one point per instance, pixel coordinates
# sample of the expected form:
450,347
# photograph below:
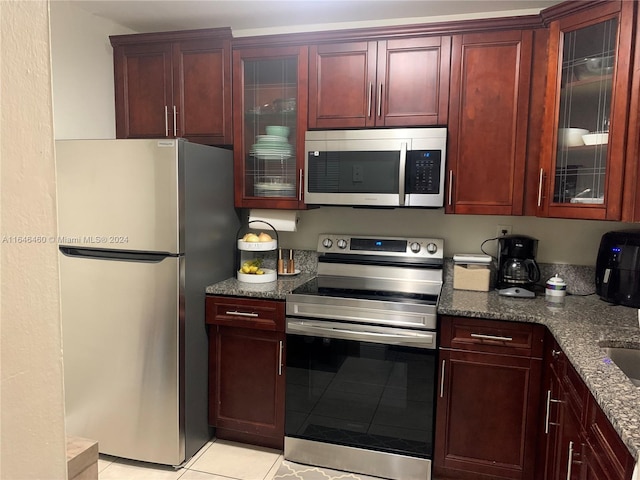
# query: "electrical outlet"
503,230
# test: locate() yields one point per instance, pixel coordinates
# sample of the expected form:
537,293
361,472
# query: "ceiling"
290,15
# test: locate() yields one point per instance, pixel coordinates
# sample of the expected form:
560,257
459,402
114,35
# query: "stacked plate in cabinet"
271,147
273,151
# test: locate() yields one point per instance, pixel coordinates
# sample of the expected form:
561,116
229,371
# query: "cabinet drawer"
245,313
607,446
492,336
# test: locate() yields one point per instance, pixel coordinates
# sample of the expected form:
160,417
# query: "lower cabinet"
577,441
488,399
246,369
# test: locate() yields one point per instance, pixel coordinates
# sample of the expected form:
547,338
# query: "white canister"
555,289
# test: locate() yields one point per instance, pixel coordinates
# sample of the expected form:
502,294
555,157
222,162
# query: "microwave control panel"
423,171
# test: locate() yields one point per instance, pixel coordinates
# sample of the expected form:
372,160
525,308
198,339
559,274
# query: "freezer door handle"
125,255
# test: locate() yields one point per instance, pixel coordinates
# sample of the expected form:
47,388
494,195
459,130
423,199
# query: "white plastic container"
555,289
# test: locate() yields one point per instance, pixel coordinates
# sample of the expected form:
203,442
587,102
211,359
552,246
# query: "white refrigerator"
144,227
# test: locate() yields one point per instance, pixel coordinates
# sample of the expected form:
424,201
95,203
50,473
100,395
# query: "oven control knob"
342,244
415,247
327,243
432,248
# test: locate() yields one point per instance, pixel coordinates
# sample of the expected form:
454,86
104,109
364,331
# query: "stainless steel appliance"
401,167
361,357
618,268
517,269
144,226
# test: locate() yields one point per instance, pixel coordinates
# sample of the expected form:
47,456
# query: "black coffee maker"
517,270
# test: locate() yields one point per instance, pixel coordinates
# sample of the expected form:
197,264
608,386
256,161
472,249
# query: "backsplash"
561,241
580,279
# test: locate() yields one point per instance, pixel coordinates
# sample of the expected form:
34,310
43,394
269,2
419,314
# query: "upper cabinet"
270,120
586,113
175,84
386,83
488,120
631,200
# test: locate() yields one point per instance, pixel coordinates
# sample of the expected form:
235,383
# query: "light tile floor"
217,460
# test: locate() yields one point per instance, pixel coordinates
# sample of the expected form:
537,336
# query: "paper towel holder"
281,220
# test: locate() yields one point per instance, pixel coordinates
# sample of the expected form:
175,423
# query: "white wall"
32,437
82,60
84,108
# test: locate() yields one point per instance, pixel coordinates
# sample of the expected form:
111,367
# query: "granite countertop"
580,324
271,290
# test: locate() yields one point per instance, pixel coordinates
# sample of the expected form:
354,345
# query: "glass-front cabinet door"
270,111
586,114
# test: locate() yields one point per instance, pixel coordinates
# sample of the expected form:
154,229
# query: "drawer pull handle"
280,359
166,121
175,122
540,187
301,187
570,461
491,337
546,420
442,380
242,314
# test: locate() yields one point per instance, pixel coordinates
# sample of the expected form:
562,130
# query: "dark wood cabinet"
386,83
175,84
586,109
577,441
246,369
631,194
490,374
488,122
269,90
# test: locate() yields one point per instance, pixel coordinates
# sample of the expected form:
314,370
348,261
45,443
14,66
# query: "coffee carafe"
517,270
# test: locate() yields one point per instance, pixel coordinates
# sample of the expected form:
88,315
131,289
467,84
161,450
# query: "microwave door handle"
402,173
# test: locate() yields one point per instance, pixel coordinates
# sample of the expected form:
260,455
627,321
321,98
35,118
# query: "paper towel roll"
281,220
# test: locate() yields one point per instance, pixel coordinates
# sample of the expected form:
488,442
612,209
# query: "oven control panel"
386,246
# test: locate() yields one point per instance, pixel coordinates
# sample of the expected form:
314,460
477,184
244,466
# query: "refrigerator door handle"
125,255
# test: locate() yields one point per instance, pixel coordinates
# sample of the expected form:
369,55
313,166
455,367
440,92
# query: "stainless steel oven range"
361,357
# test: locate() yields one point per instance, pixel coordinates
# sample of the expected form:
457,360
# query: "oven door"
361,388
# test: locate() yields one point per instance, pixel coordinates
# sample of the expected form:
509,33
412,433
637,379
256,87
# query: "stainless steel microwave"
399,167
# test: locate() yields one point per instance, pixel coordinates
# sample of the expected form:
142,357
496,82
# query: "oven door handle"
409,338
